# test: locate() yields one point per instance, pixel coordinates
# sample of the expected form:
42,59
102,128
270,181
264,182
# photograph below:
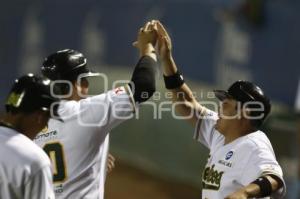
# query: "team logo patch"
229,155
211,178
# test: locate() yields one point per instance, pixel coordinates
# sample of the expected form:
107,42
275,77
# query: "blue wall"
274,61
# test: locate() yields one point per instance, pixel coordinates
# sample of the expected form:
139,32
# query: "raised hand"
146,39
164,41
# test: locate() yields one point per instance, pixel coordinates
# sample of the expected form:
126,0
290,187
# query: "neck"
231,138
13,121
236,131
74,97
20,123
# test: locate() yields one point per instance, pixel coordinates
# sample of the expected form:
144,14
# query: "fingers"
142,30
135,44
110,167
111,157
154,25
162,33
167,43
110,163
161,29
147,34
147,26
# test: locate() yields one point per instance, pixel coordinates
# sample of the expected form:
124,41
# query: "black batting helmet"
30,93
65,64
244,91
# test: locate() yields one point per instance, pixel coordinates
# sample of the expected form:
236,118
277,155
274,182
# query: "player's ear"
246,113
77,86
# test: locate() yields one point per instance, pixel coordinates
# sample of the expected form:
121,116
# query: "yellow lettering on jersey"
53,161
55,151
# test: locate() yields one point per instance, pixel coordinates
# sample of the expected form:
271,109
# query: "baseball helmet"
66,64
245,91
30,93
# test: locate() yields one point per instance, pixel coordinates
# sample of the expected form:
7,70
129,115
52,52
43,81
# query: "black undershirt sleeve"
143,79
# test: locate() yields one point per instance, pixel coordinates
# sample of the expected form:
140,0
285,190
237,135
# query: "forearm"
254,190
186,103
148,50
169,66
183,93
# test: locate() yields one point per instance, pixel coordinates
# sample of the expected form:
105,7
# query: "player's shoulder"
68,108
256,141
20,150
71,108
32,154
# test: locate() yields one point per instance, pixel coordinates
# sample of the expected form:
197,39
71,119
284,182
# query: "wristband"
174,81
264,185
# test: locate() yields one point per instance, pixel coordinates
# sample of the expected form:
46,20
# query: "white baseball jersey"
236,164
78,147
24,168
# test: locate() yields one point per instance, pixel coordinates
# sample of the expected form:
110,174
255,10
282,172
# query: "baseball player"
24,167
241,163
78,148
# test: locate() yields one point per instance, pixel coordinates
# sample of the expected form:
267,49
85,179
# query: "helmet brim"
89,74
222,95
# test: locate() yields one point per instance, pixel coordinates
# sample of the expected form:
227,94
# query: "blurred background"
216,42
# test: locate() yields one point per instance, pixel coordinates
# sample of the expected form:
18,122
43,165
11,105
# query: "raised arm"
143,77
186,103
